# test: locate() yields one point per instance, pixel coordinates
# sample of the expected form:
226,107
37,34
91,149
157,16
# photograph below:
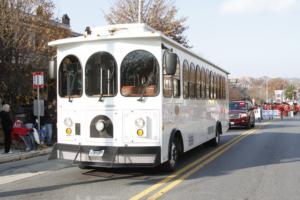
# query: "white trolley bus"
130,96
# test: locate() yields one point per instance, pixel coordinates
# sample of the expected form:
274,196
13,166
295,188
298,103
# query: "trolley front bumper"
108,156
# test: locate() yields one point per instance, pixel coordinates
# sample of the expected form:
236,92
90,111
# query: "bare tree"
159,14
25,29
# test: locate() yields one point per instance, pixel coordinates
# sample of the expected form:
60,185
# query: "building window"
101,75
139,74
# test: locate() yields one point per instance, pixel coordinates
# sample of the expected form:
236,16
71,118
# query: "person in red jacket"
19,130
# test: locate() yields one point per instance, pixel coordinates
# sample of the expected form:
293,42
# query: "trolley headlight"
100,125
140,132
68,131
140,123
68,122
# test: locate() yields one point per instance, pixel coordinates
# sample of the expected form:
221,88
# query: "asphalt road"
262,163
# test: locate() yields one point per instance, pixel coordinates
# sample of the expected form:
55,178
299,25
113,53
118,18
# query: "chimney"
66,20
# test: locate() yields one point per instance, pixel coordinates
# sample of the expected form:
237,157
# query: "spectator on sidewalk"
54,120
25,133
47,123
7,124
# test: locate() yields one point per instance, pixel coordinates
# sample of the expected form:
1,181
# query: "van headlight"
68,122
100,125
140,123
242,115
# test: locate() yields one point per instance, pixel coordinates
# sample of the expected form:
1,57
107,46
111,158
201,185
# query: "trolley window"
70,77
215,85
207,79
139,74
101,75
199,81
192,81
171,82
185,79
203,83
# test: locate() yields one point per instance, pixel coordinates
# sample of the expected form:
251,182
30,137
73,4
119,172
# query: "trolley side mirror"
52,69
171,63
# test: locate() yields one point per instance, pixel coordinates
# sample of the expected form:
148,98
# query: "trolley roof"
122,31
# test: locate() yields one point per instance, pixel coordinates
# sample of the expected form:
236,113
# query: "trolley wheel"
248,126
84,166
174,152
253,125
216,141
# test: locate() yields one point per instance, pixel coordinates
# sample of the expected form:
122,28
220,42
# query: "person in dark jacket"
47,122
7,124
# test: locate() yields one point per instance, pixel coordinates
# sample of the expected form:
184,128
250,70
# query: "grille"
234,116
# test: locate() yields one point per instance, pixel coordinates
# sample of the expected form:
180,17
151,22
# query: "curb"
25,155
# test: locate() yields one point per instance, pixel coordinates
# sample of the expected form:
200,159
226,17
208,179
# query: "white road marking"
15,177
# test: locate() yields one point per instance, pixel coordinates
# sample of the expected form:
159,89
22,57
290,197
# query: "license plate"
96,153
231,123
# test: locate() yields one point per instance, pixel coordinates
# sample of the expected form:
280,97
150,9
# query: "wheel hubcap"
174,155
218,138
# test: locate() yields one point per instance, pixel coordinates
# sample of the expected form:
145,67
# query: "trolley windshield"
139,74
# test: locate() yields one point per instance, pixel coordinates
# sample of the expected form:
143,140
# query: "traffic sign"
38,79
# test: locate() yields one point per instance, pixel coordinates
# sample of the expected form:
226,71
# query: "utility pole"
140,11
267,94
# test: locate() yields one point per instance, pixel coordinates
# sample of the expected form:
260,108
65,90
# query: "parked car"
241,114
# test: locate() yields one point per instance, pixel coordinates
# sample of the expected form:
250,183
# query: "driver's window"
139,74
70,77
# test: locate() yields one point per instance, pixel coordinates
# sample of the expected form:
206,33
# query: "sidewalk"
22,155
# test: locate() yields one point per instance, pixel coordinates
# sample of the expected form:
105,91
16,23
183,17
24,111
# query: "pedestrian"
54,119
7,124
47,122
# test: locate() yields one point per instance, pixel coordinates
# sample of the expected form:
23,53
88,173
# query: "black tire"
84,166
253,125
216,140
248,126
174,152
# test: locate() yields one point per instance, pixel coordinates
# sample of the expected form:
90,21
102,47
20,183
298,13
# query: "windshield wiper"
141,99
70,85
101,98
110,77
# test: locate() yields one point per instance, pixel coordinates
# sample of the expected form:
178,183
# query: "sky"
246,37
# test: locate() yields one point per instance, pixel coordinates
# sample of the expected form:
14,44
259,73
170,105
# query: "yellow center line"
189,166
198,167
